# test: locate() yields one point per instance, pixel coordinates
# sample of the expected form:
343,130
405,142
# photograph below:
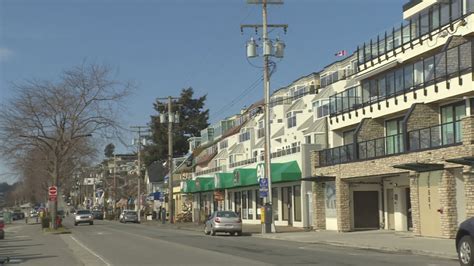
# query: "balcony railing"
445,65
435,18
421,139
435,136
285,152
209,171
380,147
244,162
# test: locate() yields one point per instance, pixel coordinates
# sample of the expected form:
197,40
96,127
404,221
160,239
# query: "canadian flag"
341,53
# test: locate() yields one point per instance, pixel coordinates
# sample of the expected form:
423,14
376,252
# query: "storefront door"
287,206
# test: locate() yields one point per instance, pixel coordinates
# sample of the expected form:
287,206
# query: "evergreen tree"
192,119
109,150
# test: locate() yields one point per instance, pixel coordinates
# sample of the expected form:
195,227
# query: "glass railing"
421,139
380,147
434,18
445,65
285,152
435,136
337,155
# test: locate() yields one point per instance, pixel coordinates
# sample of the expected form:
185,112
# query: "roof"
156,172
222,154
306,123
239,148
318,126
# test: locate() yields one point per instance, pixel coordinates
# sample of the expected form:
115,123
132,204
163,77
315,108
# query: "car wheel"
205,230
75,224
213,233
91,223
239,233
466,251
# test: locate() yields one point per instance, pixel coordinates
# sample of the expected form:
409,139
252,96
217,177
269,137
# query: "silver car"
83,216
129,216
223,221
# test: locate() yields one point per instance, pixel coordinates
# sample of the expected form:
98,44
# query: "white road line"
90,251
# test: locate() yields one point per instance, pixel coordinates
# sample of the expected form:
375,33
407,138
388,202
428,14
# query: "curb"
372,248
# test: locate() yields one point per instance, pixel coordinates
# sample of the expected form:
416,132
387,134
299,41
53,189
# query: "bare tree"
54,117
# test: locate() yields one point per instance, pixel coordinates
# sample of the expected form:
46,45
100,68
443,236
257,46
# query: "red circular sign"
53,191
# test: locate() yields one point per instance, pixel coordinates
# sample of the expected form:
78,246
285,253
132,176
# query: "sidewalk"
400,242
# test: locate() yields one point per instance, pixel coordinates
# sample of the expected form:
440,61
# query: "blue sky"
167,45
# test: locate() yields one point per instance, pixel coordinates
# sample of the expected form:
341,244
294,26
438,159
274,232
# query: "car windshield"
131,212
83,212
227,214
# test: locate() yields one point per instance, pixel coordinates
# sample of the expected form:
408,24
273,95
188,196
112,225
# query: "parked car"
128,216
18,215
465,242
83,216
2,232
98,215
223,221
33,214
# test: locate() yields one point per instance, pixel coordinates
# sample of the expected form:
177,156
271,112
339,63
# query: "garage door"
366,209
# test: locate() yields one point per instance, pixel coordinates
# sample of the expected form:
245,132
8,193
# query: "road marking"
90,251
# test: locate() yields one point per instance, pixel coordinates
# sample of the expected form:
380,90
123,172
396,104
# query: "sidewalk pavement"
382,240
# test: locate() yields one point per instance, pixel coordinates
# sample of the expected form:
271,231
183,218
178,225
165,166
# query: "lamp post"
269,50
170,118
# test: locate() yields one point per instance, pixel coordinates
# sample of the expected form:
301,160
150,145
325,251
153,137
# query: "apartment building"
401,128
225,173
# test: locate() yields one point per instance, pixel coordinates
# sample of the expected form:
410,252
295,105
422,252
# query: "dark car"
18,215
465,242
98,215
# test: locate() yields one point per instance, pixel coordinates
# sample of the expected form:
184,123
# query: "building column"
469,190
343,205
415,203
447,200
319,206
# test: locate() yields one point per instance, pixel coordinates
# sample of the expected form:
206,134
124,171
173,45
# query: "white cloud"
5,53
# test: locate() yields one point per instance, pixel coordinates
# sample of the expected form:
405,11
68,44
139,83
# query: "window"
382,87
425,23
307,139
348,137
291,119
408,77
390,83
259,203
399,80
429,69
223,144
393,140
275,203
445,14
451,116
418,69
250,204
440,65
244,136
245,211
297,199
435,18
237,203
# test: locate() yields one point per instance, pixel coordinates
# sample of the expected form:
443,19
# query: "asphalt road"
112,243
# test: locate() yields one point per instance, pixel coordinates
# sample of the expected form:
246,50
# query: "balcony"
432,20
440,67
285,152
433,137
209,171
244,162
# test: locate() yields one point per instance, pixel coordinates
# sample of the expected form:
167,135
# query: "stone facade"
319,214
415,207
447,196
421,116
369,129
469,190
343,197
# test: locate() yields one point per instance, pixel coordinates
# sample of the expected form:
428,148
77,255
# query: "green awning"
244,177
205,184
285,172
189,186
226,180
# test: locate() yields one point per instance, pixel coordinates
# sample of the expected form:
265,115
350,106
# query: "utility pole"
115,187
172,118
139,130
268,50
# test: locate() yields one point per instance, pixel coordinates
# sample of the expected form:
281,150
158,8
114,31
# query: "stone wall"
415,206
369,129
447,200
469,190
319,214
343,206
421,116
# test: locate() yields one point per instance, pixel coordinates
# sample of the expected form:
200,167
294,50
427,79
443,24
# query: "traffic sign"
53,191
